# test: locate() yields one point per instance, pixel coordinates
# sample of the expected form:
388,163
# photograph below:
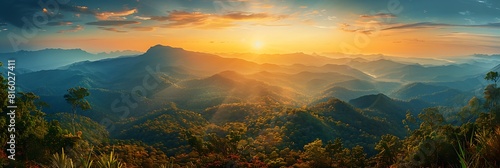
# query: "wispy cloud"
139,28
250,16
73,29
427,25
361,27
116,15
61,23
113,23
184,19
465,13
378,15
263,6
112,29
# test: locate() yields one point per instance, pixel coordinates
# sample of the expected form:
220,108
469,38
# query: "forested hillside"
136,112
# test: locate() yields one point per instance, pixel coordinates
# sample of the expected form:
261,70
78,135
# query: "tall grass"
61,160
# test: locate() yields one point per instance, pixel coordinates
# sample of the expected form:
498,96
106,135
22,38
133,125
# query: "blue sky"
459,27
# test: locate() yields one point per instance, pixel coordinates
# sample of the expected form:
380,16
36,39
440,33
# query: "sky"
412,28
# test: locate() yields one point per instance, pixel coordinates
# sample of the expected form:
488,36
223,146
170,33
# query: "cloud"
117,15
78,9
13,11
272,25
263,6
73,29
308,22
139,28
142,18
426,25
159,18
465,13
183,19
378,15
112,29
362,27
113,23
325,27
61,23
245,16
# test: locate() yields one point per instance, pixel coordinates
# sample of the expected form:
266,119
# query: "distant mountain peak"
231,74
53,50
162,49
373,100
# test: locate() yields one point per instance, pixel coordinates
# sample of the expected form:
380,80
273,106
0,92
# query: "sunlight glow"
258,45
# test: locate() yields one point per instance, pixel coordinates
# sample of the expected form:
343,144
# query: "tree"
334,150
431,118
389,147
76,97
492,76
357,157
316,154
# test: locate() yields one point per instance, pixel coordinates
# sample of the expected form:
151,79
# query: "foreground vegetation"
256,135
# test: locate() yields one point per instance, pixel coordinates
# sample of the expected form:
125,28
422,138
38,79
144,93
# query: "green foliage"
389,147
92,131
76,97
61,160
315,153
493,76
109,161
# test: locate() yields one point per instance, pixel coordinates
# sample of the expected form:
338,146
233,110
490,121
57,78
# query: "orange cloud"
113,23
182,19
62,23
263,6
139,28
250,16
119,15
112,29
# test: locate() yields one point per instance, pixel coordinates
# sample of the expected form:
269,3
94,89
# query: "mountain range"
167,88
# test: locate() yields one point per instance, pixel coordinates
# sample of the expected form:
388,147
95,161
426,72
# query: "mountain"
163,126
309,79
56,81
434,94
343,93
442,73
288,59
417,89
377,68
415,72
352,123
346,70
226,87
389,110
496,68
449,97
387,105
48,59
92,131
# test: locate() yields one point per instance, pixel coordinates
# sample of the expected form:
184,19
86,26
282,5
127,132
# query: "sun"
257,45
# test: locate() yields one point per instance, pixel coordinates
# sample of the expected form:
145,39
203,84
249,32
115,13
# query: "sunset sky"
420,28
